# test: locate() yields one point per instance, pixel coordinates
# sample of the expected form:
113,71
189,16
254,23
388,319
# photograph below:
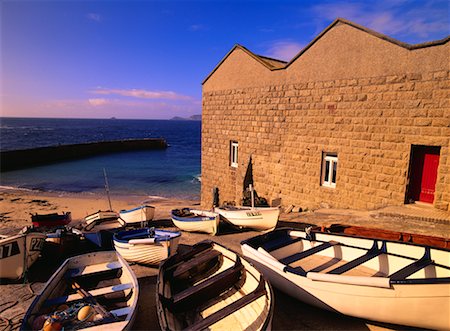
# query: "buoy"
52,324
86,313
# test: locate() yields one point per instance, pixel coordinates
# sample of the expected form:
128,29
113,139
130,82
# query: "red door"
424,168
429,175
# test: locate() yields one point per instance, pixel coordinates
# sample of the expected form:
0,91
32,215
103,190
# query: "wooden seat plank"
210,288
92,269
195,261
298,256
95,293
222,313
408,270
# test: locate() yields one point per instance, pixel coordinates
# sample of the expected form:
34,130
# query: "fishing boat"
375,279
139,214
256,218
95,291
62,242
147,246
192,220
208,287
19,252
51,220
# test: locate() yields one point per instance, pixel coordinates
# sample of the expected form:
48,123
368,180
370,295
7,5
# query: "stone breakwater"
19,159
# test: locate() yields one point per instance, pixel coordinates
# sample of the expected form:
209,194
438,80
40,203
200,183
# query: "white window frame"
327,172
234,150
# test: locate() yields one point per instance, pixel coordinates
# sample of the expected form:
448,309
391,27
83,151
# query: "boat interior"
342,255
210,287
99,281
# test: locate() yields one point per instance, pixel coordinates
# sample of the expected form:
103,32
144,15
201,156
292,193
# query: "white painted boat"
209,287
102,281
146,246
256,218
139,214
19,252
375,279
101,215
192,220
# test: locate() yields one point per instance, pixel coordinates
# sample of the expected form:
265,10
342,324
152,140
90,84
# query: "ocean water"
172,173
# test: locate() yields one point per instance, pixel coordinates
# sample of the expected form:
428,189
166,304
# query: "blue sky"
147,59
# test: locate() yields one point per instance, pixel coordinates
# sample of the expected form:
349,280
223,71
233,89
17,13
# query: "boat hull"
203,221
424,305
146,252
103,267
140,214
18,253
195,284
258,218
51,220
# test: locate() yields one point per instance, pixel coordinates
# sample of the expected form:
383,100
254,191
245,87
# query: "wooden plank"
121,311
298,256
196,261
94,268
230,309
208,289
279,243
95,293
372,253
413,267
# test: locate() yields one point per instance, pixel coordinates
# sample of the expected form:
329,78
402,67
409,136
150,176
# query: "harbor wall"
368,101
18,159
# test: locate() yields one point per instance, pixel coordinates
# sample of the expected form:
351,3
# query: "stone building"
355,120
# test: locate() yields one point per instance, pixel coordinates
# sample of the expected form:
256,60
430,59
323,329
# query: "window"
329,169
234,154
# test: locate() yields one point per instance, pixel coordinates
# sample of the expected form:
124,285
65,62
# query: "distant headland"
190,118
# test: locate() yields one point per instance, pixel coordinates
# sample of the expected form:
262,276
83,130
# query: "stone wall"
370,122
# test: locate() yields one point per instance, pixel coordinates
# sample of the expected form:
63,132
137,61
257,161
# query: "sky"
147,59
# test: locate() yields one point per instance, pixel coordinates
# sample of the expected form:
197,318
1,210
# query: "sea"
170,173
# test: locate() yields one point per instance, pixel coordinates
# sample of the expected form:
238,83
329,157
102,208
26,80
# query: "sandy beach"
15,209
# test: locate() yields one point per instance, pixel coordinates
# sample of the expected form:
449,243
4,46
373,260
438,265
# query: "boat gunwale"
124,211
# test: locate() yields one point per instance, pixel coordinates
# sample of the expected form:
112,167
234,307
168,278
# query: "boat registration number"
37,244
253,213
9,249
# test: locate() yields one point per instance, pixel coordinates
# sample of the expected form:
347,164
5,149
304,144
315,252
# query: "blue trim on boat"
124,211
160,235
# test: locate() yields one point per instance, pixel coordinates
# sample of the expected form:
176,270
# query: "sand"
15,298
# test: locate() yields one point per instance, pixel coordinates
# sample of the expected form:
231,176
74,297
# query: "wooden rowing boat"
95,291
210,287
100,231
375,279
51,220
146,246
192,220
139,214
256,218
19,252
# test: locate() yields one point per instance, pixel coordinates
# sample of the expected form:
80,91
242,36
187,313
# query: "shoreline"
17,205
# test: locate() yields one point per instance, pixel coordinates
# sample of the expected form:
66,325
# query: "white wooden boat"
101,215
380,280
146,246
256,218
103,281
209,287
19,252
139,214
192,220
